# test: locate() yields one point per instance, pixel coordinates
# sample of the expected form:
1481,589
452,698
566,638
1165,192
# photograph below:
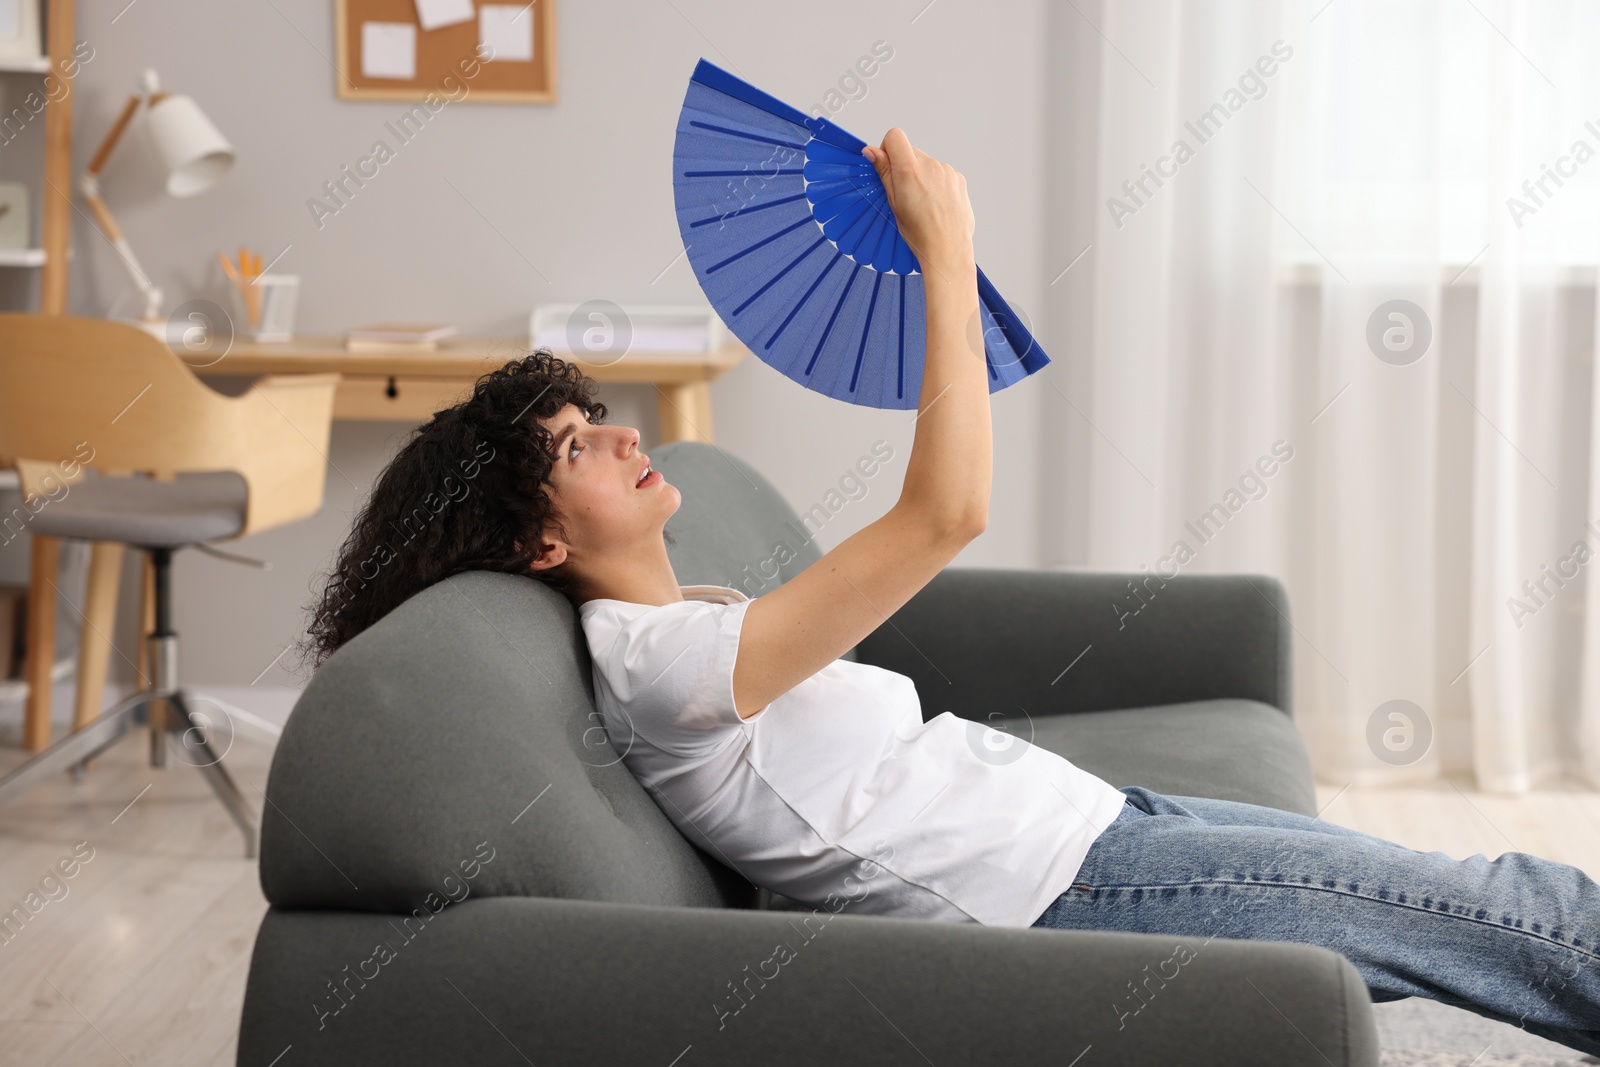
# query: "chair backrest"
74,387
464,720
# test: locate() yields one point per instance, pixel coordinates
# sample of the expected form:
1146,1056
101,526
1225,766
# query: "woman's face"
594,484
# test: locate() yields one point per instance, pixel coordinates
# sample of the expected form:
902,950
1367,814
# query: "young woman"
817,778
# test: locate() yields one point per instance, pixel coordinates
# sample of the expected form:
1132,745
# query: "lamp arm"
89,184
114,134
152,293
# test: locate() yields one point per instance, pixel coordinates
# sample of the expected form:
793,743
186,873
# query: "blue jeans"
1516,938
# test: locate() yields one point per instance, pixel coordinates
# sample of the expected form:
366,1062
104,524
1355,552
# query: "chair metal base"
71,751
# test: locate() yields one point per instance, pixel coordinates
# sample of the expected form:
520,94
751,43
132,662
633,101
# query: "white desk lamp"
193,154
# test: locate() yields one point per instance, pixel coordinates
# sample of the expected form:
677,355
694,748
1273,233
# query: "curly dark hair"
465,492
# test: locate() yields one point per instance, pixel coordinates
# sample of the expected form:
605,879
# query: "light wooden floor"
1559,822
144,960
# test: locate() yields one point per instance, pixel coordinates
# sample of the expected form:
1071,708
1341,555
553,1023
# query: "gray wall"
493,208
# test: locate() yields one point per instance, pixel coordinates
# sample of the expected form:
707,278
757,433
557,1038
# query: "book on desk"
398,337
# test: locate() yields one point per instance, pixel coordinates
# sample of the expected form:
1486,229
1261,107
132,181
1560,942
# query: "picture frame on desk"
19,31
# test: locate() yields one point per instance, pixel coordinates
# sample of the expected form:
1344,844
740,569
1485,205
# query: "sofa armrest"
547,981
980,641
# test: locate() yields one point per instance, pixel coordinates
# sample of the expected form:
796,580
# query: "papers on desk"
601,326
390,337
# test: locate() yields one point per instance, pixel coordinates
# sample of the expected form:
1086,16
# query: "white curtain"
1328,345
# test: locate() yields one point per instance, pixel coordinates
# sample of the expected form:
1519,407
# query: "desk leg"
685,411
41,641
99,618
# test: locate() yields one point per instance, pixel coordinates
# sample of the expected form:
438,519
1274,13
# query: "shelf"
15,690
21,257
25,64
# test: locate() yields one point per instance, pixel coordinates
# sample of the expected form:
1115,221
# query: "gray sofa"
461,870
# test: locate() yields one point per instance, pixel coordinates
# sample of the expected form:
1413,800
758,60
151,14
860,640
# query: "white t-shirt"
837,794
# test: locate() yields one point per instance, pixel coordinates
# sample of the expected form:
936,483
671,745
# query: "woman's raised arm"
814,618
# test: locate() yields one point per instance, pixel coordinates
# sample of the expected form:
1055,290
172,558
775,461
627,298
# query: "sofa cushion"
1224,749
463,722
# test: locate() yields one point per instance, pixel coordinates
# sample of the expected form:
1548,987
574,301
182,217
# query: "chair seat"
199,506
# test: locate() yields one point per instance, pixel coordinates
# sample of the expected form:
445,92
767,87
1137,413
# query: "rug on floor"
1417,1032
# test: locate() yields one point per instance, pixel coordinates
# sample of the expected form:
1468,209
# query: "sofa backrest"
462,725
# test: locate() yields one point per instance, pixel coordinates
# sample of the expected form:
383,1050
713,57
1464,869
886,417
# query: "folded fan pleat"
791,235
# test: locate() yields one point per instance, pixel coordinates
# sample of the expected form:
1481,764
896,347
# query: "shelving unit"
26,66
21,257
55,209
50,259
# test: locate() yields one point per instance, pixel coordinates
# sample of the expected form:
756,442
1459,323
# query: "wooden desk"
410,386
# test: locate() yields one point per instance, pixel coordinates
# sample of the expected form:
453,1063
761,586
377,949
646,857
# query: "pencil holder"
265,311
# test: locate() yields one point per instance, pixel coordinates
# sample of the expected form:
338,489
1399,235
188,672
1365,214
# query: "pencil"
251,268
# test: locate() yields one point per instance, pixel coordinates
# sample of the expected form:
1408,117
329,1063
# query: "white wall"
496,207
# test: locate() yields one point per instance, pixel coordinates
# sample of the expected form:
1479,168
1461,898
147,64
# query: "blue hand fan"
790,232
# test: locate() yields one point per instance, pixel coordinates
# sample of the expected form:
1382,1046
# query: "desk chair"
176,464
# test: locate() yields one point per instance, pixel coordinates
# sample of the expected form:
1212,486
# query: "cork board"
447,59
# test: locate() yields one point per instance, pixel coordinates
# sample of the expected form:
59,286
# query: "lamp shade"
192,150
